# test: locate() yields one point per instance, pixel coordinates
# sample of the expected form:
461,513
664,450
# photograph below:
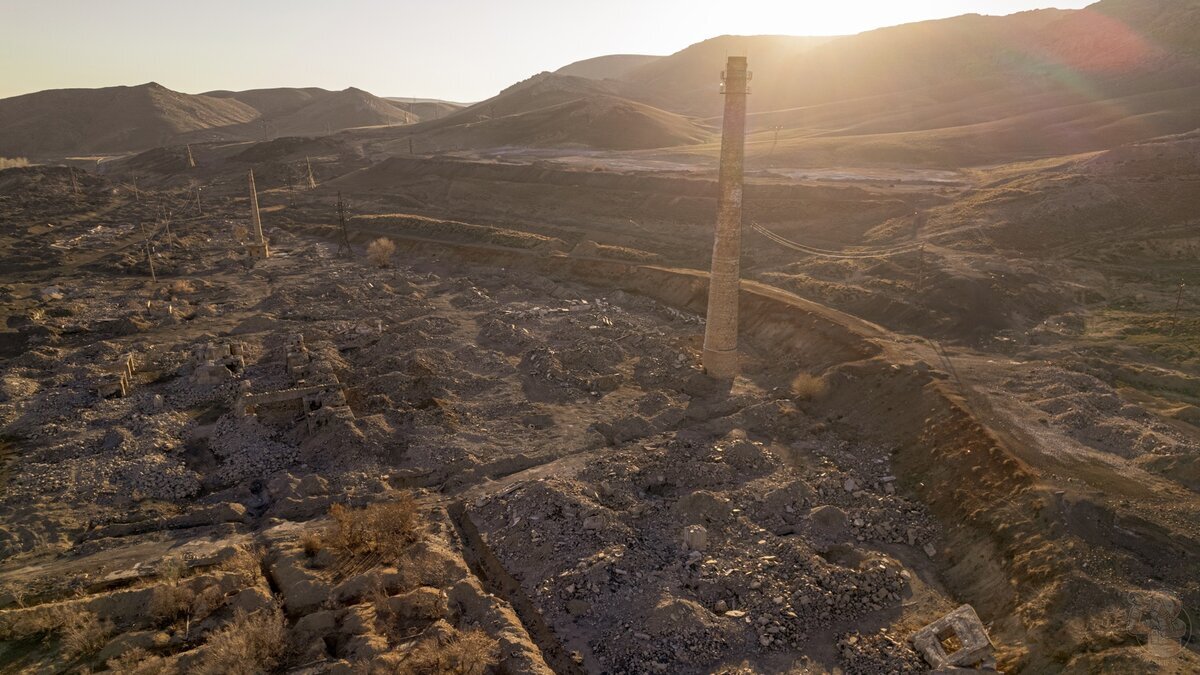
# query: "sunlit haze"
462,50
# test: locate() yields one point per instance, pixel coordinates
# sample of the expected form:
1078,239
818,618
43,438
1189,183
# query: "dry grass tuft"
472,652
312,542
84,634
138,661
172,570
248,644
174,599
16,591
378,598
386,528
246,562
21,625
171,602
809,387
380,252
182,287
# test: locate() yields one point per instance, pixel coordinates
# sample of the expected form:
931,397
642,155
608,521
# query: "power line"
826,253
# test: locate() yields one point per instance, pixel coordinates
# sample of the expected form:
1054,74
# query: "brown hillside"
597,121
340,110
109,119
612,66
279,100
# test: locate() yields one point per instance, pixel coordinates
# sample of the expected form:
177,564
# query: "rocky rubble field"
555,434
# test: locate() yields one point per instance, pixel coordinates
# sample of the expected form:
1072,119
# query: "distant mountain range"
121,119
959,90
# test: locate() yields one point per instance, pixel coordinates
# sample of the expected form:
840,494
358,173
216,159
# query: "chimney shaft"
720,330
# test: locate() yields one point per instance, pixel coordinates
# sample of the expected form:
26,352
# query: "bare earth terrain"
456,421
537,389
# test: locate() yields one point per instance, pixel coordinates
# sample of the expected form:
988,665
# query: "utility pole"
136,197
191,161
921,268
918,224
259,248
146,246
775,139
1178,304
720,356
167,226
199,211
312,182
74,183
410,145
344,242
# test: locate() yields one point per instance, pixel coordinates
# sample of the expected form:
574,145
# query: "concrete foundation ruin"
159,309
318,404
297,358
117,382
318,396
220,362
956,643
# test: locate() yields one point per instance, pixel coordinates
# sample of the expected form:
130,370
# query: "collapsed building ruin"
220,362
317,395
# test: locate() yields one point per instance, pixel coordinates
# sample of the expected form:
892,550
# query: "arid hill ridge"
956,91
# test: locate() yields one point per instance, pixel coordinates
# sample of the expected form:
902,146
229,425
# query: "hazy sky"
463,50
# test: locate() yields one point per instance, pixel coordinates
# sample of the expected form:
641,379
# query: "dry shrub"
378,598
171,602
240,232
472,652
15,590
208,600
246,562
138,661
174,600
380,252
13,162
172,570
18,625
83,634
182,287
386,528
248,644
312,542
809,387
